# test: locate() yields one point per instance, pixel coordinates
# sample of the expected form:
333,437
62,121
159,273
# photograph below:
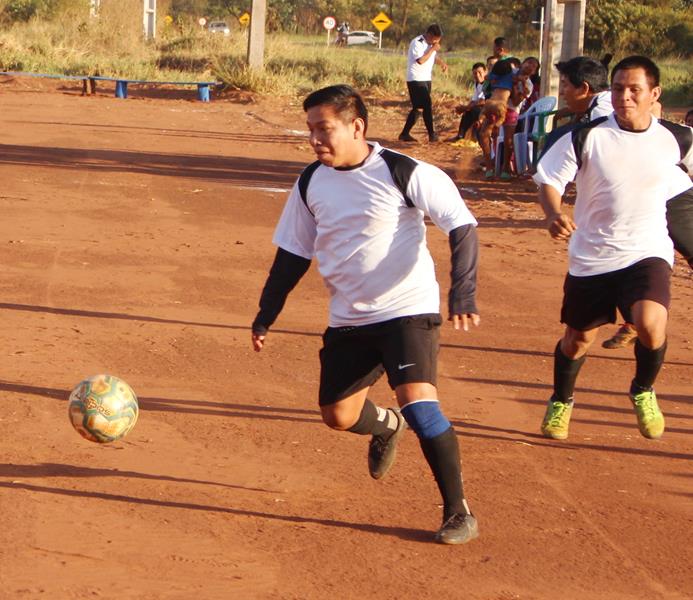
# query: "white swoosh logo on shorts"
400,367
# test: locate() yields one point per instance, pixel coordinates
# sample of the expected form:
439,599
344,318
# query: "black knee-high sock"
374,421
443,456
647,365
565,372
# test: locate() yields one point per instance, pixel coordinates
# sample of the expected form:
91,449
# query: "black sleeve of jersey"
464,246
285,273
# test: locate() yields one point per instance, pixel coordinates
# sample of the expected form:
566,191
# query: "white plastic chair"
524,141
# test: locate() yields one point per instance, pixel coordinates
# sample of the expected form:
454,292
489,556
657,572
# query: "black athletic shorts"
589,302
353,358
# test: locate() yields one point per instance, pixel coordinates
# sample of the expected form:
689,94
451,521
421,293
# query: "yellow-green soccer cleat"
650,418
557,419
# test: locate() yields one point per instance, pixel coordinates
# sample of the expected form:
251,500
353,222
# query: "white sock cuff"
421,400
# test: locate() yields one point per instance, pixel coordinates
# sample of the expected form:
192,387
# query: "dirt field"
135,239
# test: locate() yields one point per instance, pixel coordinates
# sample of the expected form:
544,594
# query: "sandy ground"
135,239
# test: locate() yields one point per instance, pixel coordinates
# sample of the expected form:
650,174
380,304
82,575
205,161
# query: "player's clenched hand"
462,321
258,341
560,226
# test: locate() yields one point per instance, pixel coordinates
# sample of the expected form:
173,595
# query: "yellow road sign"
381,21
244,19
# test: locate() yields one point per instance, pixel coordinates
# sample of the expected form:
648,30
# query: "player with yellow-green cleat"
620,254
650,417
557,419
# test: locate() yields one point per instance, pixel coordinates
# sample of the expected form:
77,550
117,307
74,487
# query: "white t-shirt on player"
370,246
622,188
478,93
415,71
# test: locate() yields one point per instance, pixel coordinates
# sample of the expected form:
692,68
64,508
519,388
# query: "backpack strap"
682,134
401,169
304,180
579,136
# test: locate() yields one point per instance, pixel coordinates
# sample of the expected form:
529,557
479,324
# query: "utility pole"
564,34
256,35
149,19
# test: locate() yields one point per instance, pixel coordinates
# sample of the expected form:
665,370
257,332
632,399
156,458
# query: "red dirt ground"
135,239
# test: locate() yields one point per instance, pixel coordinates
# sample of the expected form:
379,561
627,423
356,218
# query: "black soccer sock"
374,420
443,456
565,372
647,365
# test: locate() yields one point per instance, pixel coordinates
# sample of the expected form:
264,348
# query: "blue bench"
83,78
121,85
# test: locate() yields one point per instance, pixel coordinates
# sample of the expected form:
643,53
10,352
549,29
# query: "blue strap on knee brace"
425,418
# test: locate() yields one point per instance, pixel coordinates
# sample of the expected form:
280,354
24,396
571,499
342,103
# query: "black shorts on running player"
353,358
589,302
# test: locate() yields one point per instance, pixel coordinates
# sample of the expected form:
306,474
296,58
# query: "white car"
219,27
355,38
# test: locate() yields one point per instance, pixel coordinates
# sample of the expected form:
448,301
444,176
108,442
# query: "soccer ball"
103,408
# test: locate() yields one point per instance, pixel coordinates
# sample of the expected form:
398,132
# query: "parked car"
361,37
219,27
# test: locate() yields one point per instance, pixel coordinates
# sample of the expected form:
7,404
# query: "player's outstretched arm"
560,225
464,249
285,273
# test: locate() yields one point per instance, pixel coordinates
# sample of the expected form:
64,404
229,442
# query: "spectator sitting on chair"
494,112
521,90
472,110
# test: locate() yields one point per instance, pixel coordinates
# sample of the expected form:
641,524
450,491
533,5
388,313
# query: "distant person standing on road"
422,55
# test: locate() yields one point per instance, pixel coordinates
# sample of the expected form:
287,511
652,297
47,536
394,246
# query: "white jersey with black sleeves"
623,183
370,246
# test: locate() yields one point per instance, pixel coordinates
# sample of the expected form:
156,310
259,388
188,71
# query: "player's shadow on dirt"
75,312
62,470
239,169
186,406
128,317
282,139
535,439
409,534
518,351
580,390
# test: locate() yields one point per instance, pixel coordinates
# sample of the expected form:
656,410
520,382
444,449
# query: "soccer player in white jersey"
584,87
626,165
361,215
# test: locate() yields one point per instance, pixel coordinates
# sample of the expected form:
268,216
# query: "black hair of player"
434,30
583,69
639,62
346,102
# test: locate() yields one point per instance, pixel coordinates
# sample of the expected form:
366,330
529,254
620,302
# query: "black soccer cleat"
383,450
406,137
460,528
